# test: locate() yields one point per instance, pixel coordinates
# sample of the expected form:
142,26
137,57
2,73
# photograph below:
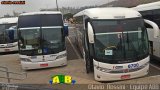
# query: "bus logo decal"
133,65
117,67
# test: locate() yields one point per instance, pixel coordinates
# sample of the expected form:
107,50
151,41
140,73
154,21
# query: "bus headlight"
102,69
61,56
25,59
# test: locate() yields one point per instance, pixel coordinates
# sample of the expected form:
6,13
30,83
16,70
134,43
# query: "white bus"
8,34
114,42
151,12
41,40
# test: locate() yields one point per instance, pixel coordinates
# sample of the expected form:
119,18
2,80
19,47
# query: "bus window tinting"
153,15
51,20
40,20
29,21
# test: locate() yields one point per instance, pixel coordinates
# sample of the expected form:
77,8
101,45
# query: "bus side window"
156,16
148,15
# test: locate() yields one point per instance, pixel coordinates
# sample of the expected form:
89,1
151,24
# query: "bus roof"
109,13
41,12
8,20
149,6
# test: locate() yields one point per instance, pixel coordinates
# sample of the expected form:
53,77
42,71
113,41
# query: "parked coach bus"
114,42
151,12
41,40
8,34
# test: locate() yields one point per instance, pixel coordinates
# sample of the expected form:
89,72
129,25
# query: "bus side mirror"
155,27
66,29
90,33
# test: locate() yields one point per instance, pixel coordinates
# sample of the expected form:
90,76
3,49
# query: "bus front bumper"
46,64
11,49
102,76
113,72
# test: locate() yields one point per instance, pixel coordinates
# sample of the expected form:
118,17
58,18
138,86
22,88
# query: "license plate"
125,76
7,50
44,65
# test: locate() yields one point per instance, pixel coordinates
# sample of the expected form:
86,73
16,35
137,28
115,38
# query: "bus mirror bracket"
66,29
155,27
90,33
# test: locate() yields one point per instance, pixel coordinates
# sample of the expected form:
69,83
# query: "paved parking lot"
75,68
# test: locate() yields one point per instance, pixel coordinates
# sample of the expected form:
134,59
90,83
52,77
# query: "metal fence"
8,76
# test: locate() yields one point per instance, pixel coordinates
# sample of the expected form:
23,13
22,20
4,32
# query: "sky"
36,5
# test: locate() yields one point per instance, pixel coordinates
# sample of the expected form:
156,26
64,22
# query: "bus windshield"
120,41
29,40
8,33
52,40
41,34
